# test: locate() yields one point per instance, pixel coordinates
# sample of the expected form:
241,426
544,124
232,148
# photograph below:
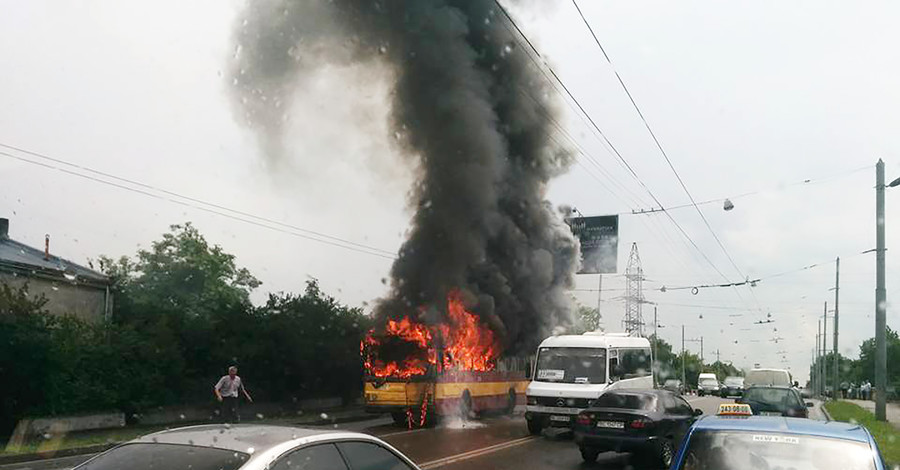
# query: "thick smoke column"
472,112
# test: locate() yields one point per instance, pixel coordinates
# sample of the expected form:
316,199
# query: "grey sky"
744,97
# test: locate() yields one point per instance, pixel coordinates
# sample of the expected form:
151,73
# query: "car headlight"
531,400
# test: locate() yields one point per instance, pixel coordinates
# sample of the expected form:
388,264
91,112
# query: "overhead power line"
663,151
596,128
217,209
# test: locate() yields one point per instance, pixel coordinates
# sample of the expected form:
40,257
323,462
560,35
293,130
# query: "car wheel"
589,455
535,427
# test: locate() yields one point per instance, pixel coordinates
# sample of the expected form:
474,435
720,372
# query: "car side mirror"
809,404
698,412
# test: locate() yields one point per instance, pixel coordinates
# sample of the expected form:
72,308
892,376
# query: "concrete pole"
599,303
701,354
824,349
880,298
817,384
653,351
837,284
683,381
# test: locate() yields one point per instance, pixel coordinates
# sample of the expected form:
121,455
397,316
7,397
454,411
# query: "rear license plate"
611,424
562,419
769,413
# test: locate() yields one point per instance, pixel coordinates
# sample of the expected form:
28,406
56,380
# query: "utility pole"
717,355
824,349
837,284
701,354
599,303
817,384
880,297
683,381
653,351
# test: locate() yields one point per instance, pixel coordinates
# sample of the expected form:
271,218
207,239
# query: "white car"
251,447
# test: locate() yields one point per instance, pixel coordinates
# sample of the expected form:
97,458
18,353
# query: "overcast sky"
752,97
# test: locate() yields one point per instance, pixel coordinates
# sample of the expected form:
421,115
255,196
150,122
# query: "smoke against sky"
472,113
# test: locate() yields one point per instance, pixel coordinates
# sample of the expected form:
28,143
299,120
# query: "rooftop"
801,426
237,437
21,258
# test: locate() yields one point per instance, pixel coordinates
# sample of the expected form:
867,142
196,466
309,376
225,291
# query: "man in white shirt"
228,390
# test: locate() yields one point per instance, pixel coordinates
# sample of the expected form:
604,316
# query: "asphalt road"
496,443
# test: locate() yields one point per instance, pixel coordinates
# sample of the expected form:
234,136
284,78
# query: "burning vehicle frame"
419,373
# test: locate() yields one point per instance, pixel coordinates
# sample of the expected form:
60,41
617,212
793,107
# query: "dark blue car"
769,442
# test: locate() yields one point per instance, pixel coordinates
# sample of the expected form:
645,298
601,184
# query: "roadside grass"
53,443
887,436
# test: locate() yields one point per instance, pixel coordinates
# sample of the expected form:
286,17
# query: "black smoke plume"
472,113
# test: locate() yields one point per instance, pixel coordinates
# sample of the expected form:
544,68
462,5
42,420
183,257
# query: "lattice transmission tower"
634,295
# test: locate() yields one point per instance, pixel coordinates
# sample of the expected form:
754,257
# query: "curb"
825,412
94,449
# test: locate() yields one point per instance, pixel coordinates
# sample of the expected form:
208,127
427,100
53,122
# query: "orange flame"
468,345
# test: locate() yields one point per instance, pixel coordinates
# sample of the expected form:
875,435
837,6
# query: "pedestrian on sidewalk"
228,391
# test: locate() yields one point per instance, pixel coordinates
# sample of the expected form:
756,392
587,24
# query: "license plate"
611,424
769,413
563,419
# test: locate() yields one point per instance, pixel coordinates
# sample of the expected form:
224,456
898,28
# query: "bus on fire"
419,372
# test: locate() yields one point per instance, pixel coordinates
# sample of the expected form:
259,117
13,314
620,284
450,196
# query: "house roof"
22,259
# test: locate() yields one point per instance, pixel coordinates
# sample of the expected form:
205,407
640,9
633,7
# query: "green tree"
26,353
586,319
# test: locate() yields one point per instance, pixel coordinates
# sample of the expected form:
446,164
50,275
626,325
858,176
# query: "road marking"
397,433
476,453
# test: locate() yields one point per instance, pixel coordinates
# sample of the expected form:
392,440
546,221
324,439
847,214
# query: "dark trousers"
230,410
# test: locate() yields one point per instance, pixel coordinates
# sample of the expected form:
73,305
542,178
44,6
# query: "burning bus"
419,372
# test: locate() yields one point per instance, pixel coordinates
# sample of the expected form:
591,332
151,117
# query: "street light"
880,295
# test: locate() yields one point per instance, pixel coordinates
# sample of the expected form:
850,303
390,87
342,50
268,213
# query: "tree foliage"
182,314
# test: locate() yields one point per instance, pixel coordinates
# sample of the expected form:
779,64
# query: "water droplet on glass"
323,416
70,277
181,416
237,51
382,49
47,435
259,416
250,450
244,23
54,287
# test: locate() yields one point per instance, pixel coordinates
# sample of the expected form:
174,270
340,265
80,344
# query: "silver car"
251,447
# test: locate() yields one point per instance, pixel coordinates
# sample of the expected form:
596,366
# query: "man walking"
227,391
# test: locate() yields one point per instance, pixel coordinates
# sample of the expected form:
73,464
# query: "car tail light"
584,419
641,424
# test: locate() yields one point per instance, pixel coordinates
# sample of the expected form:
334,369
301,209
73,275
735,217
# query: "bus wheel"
399,418
465,405
511,404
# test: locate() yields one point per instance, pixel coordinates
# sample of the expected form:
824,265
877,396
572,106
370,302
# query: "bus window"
630,363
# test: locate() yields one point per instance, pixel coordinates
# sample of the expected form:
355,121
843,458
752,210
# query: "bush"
182,316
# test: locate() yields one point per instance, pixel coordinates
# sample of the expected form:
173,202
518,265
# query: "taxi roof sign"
734,409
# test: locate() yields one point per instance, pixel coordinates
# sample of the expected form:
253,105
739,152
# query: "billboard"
599,238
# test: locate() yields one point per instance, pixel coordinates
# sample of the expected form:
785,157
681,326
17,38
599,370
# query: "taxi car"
736,439
251,447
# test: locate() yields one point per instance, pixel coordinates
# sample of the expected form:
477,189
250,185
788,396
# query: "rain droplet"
259,416
70,277
47,435
237,51
250,450
382,49
323,416
227,425
181,416
54,287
